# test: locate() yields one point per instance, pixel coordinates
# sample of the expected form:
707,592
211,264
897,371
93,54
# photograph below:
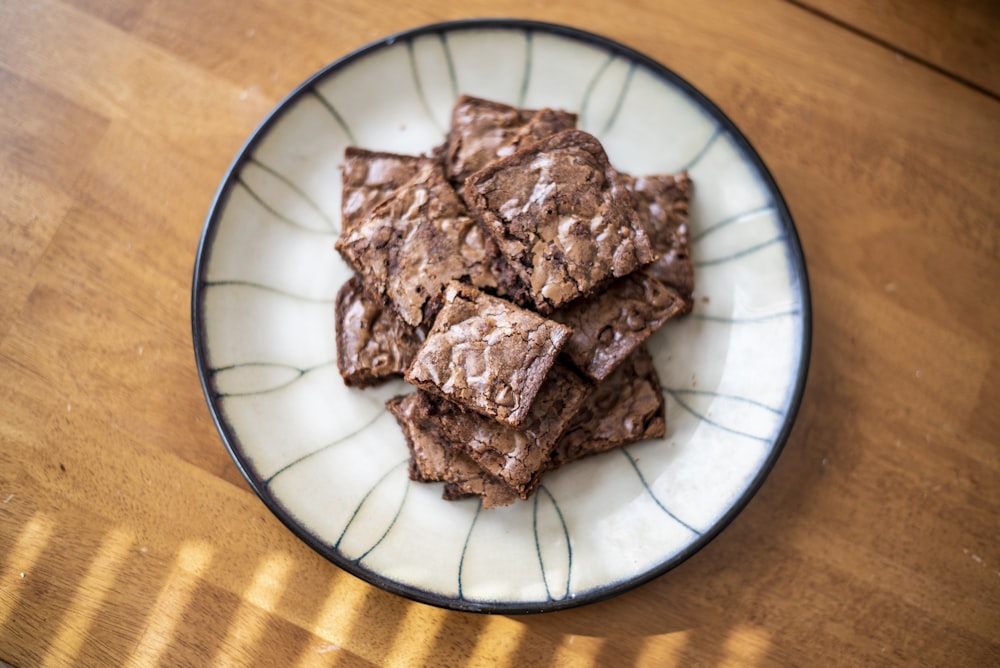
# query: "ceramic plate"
331,463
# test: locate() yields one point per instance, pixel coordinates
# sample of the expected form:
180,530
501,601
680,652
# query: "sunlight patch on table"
90,594
336,618
498,641
192,561
745,646
34,536
251,617
414,639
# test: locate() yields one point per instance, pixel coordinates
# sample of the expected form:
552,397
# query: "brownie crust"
609,326
483,130
432,460
518,457
661,202
373,343
626,407
487,354
368,178
416,241
562,217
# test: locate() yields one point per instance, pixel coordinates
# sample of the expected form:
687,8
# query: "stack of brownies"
513,277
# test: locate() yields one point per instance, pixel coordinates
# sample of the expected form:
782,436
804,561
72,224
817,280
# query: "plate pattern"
331,462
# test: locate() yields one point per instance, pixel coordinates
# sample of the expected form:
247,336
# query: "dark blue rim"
498,607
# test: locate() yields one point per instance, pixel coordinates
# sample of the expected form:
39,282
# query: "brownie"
373,343
482,130
661,201
416,241
518,457
368,178
562,217
625,407
431,460
609,326
487,354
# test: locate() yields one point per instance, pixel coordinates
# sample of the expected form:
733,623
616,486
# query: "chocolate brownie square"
373,343
624,408
518,457
368,178
487,354
661,201
562,216
416,241
482,130
610,325
432,460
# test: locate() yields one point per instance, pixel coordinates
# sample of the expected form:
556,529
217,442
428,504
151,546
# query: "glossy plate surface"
331,463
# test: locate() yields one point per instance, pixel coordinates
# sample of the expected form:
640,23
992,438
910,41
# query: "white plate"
330,462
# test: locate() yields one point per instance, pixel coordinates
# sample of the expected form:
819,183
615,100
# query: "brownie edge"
562,216
487,354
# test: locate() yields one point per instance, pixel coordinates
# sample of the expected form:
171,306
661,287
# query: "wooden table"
127,535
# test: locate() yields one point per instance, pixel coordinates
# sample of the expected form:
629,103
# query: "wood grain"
961,38
128,537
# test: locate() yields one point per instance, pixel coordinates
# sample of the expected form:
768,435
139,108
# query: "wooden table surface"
127,535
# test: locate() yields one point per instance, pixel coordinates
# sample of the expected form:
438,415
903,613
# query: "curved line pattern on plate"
723,395
266,288
251,160
656,500
609,122
739,217
451,64
364,499
748,320
299,373
299,460
538,547
739,254
238,179
333,112
415,73
707,420
465,547
588,91
526,79
709,143
616,110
